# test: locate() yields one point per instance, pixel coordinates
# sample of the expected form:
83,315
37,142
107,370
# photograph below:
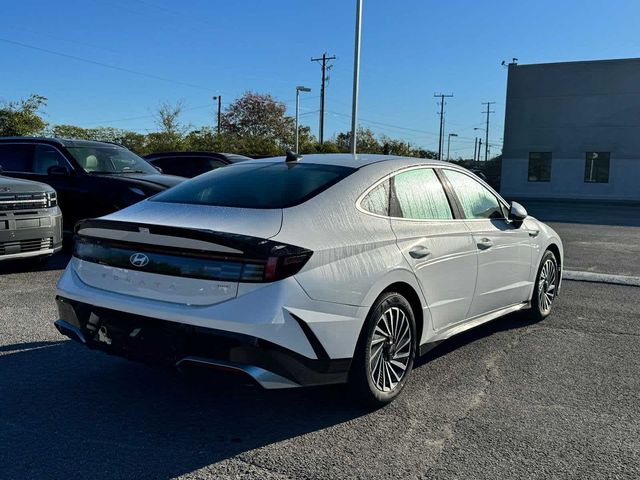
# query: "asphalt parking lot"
512,399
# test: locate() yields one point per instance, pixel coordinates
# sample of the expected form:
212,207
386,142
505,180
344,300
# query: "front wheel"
546,287
385,352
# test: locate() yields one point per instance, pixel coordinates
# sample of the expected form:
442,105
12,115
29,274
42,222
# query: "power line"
324,59
441,136
105,65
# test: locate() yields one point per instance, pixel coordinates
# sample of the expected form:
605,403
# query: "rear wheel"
546,287
385,352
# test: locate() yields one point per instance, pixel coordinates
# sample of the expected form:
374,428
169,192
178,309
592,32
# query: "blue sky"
190,50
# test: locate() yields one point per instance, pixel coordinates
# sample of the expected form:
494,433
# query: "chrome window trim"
429,220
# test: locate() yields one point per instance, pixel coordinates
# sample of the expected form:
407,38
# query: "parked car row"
291,271
82,179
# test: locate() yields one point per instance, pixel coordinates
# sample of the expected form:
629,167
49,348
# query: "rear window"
257,185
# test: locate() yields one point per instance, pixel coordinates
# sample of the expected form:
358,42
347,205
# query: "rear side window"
476,200
377,200
419,195
16,157
45,157
257,185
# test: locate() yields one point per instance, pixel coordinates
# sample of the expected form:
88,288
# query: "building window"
540,166
596,167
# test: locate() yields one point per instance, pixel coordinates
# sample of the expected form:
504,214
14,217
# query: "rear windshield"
257,185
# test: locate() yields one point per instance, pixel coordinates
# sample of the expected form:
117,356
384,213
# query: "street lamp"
449,144
298,90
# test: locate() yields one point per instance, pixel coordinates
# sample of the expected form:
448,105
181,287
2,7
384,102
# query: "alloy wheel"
547,285
390,349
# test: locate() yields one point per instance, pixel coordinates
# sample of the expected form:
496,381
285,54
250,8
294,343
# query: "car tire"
546,286
385,351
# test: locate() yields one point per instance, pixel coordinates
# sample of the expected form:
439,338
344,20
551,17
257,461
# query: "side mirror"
158,168
517,213
58,171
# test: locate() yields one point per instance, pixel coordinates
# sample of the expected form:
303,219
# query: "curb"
579,276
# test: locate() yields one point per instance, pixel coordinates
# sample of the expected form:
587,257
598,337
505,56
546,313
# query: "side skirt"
469,324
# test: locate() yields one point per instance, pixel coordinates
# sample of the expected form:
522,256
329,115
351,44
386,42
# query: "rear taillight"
275,268
275,262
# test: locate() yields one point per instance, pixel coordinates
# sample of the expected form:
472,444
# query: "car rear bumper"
182,345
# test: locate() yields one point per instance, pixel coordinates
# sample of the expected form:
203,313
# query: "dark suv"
192,164
91,178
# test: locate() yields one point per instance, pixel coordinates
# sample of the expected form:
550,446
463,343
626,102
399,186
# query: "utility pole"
324,59
356,78
475,148
441,139
486,132
479,147
219,98
298,90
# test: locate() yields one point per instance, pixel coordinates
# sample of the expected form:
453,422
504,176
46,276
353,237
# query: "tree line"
254,125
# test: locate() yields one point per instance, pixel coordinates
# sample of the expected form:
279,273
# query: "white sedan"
305,271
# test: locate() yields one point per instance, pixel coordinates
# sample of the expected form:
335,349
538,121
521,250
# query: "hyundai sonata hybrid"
306,271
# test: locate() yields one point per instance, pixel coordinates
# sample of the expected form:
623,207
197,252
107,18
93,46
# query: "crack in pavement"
491,372
588,332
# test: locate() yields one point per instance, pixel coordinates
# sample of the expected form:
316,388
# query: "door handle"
419,251
485,243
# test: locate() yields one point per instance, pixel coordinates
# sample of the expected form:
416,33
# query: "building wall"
569,109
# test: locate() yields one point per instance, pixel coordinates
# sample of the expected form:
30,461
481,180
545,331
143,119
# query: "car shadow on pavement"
68,412
512,321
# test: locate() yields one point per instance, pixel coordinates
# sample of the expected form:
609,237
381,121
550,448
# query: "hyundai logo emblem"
139,260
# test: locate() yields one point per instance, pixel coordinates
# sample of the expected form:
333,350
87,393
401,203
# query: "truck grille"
23,246
23,201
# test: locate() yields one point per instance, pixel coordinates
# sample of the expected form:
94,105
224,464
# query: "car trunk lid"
179,263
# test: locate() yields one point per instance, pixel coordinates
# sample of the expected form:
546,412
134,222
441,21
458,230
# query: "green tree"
366,141
170,136
256,124
22,118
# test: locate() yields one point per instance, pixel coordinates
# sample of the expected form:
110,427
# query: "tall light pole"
449,144
298,90
356,77
219,98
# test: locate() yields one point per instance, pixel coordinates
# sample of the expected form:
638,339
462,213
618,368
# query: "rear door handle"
485,243
419,251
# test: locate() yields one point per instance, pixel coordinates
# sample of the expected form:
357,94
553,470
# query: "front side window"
539,167
596,168
475,199
109,159
257,185
45,157
377,200
419,195
15,157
